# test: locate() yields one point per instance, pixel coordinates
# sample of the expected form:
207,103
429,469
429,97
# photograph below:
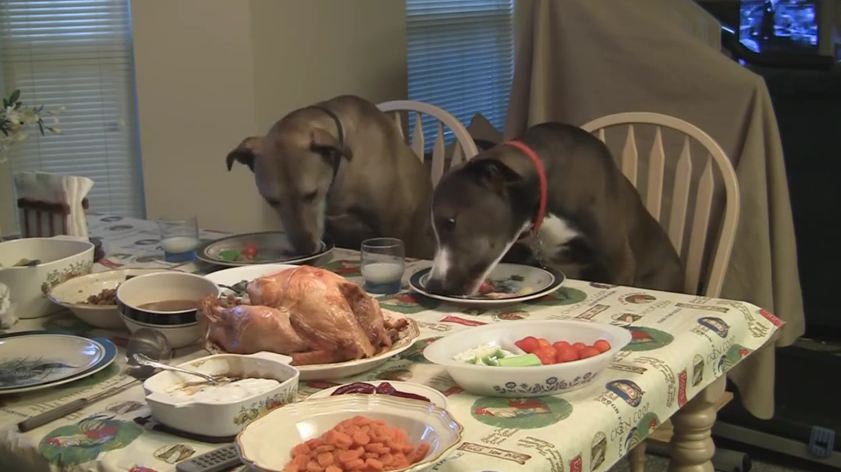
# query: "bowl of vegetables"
528,358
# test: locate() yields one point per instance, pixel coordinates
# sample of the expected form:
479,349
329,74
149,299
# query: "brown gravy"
170,305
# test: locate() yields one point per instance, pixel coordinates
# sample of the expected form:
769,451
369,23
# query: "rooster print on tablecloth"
83,442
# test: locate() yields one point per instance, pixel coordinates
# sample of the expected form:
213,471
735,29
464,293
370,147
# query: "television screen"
767,26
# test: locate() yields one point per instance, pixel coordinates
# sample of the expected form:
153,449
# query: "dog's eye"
310,196
449,224
272,202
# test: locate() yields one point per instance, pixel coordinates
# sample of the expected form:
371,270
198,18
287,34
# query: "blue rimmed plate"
511,283
34,360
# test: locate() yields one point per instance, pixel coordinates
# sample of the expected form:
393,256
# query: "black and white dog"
557,183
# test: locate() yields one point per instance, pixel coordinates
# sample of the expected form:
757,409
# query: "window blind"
77,54
461,57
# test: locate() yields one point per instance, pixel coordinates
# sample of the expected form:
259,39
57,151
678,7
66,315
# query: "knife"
61,411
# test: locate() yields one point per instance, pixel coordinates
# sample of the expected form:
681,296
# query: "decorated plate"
435,397
509,284
256,248
32,360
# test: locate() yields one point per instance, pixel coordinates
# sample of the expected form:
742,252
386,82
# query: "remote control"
216,460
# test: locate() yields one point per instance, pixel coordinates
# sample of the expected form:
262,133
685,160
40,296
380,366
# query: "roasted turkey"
312,314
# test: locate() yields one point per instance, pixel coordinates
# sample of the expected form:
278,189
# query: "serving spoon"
141,359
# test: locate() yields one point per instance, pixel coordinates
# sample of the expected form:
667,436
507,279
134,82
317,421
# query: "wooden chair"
704,247
41,219
465,149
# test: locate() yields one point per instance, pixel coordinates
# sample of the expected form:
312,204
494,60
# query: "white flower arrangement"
15,118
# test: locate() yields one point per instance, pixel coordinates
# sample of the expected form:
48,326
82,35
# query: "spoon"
143,340
142,359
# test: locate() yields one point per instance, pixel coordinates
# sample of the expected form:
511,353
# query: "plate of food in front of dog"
328,325
506,284
269,247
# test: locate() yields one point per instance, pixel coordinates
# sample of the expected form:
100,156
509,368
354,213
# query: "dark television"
784,26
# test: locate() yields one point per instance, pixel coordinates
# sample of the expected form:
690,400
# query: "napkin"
65,190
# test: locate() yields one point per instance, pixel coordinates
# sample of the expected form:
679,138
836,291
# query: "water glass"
179,238
382,265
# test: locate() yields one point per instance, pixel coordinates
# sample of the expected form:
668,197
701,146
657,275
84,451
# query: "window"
77,54
461,56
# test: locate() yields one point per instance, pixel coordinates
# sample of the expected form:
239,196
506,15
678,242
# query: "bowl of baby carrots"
350,433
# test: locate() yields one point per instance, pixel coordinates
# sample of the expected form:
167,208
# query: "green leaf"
13,98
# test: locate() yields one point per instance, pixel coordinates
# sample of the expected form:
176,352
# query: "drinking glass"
179,238
382,265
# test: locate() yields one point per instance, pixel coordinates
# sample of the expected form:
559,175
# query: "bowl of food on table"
93,297
528,358
246,388
31,267
166,302
350,432
328,325
407,390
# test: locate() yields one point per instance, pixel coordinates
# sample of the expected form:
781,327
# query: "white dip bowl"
61,258
221,417
526,381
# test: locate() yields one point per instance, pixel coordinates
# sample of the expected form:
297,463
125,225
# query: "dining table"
681,348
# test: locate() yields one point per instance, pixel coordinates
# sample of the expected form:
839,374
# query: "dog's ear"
324,143
495,175
245,153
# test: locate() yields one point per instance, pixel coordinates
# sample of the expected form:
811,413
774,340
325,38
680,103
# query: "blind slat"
460,58
77,54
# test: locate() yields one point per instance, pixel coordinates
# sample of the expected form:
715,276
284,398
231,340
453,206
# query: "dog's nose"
435,285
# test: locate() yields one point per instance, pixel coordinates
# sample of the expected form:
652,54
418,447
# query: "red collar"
541,176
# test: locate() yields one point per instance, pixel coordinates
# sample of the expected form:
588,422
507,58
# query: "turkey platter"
310,314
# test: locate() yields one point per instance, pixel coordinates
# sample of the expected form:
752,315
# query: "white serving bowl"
526,381
266,444
73,293
223,418
437,398
61,259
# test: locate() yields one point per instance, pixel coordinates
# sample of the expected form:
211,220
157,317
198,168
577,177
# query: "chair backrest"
465,149
700,227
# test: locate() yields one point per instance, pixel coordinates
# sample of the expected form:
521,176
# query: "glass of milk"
179,238
382,265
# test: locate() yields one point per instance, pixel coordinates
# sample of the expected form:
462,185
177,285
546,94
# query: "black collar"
340,130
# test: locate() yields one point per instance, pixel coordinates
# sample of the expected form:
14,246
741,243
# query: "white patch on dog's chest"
554,234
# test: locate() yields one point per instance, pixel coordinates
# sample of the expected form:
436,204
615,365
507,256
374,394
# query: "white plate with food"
422,432
93,297
257,248
34,360
328,325
408,390
506,284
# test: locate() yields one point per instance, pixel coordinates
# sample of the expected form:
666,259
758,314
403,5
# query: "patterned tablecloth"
680,344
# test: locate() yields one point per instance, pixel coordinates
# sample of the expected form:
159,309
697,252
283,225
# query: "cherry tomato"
546,355
249,251
528,344
588,352
486,287
566,354
543,342
602,345
561,345
579,346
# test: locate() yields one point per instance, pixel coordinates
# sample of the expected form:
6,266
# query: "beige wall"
211,72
